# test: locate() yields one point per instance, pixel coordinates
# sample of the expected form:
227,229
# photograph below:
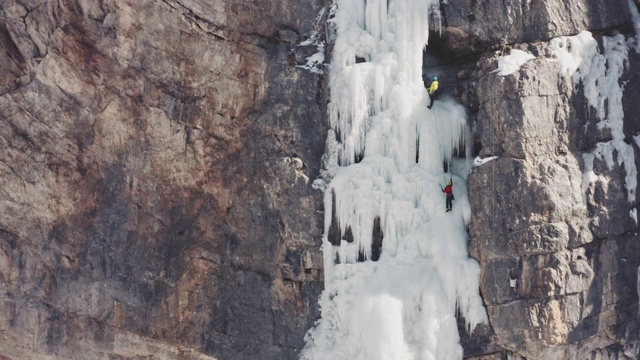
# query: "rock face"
471,26
559,255
154,199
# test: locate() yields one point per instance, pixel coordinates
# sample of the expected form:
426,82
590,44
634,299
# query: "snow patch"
572,50
315,61
511,63
481,161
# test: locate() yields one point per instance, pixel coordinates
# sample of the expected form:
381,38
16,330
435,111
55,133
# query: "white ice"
384,161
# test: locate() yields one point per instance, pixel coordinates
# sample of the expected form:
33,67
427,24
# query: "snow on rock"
481,161
384,167
572,50
599,72
316,61
511,63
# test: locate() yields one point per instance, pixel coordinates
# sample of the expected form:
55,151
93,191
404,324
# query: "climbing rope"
440,147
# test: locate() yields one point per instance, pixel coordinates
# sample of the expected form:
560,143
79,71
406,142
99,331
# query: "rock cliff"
557,244
154,199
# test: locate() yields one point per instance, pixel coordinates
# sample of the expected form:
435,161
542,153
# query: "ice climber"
433,89
449,191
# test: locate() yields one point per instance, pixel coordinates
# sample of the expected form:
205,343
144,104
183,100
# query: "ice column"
384,166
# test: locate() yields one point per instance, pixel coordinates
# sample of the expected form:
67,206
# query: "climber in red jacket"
449,191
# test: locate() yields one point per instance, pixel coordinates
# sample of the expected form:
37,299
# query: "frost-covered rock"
551,214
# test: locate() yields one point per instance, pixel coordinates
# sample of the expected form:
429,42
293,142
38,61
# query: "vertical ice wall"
384,161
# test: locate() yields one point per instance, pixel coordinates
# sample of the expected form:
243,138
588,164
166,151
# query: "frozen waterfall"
384,161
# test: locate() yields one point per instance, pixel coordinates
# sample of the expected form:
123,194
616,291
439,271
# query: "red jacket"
448,189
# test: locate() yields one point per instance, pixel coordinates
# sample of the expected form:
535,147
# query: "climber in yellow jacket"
433,88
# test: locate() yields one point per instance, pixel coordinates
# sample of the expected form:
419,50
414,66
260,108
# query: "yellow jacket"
433,87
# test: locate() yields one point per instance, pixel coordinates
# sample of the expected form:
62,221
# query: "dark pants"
449,201
432,97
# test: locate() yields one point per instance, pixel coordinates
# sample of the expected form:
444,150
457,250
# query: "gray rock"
530,221
471,26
